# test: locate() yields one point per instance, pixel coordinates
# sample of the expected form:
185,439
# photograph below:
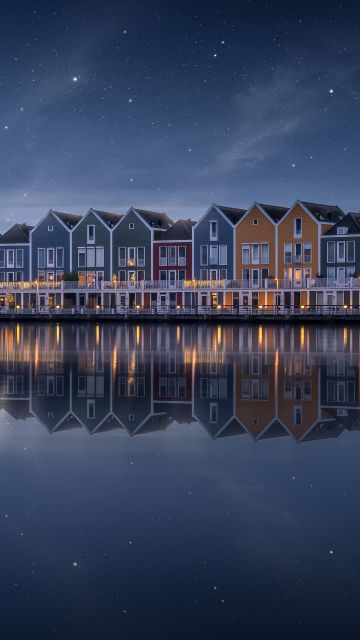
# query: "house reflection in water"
263,381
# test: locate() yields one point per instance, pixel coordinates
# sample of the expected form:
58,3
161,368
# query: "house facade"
51,246
15,254
256,252
214,251
340,250
132,253
172,262
299,234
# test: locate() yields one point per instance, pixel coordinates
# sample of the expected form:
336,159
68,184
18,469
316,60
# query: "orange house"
256,254
299,233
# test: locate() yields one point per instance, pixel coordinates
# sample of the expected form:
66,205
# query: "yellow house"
256,251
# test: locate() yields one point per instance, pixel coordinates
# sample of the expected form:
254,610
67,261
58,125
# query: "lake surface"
164,481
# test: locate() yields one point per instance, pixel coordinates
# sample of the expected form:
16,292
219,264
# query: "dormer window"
131,225
342,231
50,227
213,230
91,234
298,227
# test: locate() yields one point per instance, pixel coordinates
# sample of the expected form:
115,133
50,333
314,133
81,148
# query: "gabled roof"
351,221
324,212
155,219
17,234
232,214
111,219
180,230
275,212
69,219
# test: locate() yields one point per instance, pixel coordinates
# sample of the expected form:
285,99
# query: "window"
331,273
50,258
131,257
264,254
10,258
163,276
222,254
298,252
163,257
2,258
214,411
298,415
2,276
298,227
181,274
122,256
203,274
342,231
90,409
222,274
141,275
255,253
213,230
19,258
350,246
141,256
81,258
91,234
90,257
60,257
131,226
264,273
255,277
246,274
331,251
122,276
99,256
10,276
50,227
287,252
172,256
255,221
341,251
307,252
246,254
182,256
213,254
203,254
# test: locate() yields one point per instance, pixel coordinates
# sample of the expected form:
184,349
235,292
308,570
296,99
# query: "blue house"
14,254
214,248
51,246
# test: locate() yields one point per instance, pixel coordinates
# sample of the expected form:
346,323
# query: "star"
130,100
293,165
331,91
75,79
215,55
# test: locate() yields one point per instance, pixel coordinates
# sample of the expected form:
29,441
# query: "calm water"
179,481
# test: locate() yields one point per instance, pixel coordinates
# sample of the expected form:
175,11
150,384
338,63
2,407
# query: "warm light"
98,306
260,306
303,306
58,306
137,334
345,306
18,306
178,306
138,306
219,306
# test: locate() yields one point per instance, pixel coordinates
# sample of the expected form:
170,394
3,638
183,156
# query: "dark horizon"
175,107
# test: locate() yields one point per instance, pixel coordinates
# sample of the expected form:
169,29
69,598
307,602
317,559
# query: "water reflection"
234,380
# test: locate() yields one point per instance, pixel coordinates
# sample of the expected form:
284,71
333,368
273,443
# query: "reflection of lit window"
214,412
90,408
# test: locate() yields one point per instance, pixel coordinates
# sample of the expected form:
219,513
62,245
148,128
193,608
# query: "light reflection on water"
215,523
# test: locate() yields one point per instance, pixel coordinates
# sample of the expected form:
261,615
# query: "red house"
172,261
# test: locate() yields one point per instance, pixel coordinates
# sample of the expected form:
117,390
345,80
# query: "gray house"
132,250
50,246
214,248
14,254
340,249
91,246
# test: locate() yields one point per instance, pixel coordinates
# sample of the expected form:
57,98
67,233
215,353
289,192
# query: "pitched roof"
324,212
18,233
70,219
155,219
275,212
232,214
180,230
111,219
351,221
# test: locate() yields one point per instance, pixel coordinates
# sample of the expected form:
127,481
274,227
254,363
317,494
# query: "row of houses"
266,254
298,383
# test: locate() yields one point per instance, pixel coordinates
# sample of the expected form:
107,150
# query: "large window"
51,258
351,251
331,251
172,256
341,251
298,252
10,258
141,256
222,254
60,257
91,234
255,254
163,256
298,227
246,254
203,254
19,258
213,230
307,252
81,258
264,254
41,258
288,253
122,256
213,257
182,256
131,257
99,257
2,258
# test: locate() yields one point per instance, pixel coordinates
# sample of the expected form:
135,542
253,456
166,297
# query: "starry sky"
173,105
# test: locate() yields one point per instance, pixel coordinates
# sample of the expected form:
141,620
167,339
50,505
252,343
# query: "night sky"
174,105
